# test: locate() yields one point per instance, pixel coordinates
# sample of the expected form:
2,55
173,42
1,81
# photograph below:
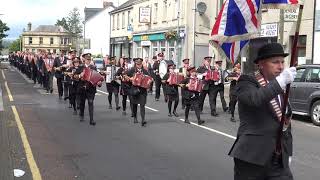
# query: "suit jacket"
259,125
57,63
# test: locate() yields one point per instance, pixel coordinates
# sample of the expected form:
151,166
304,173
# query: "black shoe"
201,122
118,108
170,115
144,123
232,119
92,123
132,115
175,114
225,109
214,114
51,91
187,121
135,120
81,118
110,107
65,98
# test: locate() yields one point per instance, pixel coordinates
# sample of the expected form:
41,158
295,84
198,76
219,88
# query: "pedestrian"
263,147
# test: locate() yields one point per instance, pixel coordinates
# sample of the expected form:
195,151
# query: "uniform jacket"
258,130
57,63
207,84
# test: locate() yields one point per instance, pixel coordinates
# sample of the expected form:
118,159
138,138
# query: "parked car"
98,62
305,92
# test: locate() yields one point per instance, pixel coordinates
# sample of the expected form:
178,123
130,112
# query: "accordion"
212,75
195,85
92,76
111,73
175,78
142,80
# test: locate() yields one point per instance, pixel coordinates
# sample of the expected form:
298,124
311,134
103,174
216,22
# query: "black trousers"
232,104
195,104
86,95
73,96
220,89
60,87
212,92
66,85
272,171
142,111
158,84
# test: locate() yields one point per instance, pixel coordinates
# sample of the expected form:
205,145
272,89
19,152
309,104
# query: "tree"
63,23
74,23
3,29
15,45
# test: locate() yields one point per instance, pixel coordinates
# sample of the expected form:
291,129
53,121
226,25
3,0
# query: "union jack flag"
231,50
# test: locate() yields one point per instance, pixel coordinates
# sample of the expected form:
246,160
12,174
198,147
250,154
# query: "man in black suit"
58,68
260,151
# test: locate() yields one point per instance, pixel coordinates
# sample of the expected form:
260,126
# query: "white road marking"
128,101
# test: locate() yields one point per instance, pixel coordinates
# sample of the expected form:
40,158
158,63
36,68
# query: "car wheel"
315,113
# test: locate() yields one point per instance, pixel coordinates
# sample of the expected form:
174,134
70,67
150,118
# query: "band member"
157,78
34,68
67,80
184,71
233,77
138,94
74,73
191,96
125,83
208,86
58,67
49,73
263,147
87,91
219,85
113,86
172,91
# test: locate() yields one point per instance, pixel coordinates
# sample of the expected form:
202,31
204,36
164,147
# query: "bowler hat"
270,50
86,54
186,59
73,50
136,59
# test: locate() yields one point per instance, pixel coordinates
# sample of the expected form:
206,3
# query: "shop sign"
144,15
145,43
149,37
269,30
119,40
291,14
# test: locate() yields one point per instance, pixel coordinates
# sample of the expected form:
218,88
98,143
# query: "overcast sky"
17,13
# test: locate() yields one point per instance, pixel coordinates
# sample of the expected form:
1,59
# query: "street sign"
269,30
291,14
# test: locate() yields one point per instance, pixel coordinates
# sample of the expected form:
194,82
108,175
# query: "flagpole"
293,62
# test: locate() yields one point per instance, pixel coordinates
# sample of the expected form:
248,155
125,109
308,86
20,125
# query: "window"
299,75
155,15
172,52
163,48
30,40
113,22
61,40
123,21
66,41
301,48
176,9
164,15
139,49
129,22
41,40
155,48
51,40
118,19
313,75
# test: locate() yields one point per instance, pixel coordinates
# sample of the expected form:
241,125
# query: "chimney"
29,26
107,4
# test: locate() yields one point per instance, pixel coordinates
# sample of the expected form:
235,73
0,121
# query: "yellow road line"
8,91
32,163
4,77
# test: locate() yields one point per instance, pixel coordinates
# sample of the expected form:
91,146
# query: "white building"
97,29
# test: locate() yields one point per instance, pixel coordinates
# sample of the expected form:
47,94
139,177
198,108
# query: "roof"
90,12
124,5
49,28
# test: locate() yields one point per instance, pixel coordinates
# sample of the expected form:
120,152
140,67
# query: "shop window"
139,49
155,48
172,52
163,48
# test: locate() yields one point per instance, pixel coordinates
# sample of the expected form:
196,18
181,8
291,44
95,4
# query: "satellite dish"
201,8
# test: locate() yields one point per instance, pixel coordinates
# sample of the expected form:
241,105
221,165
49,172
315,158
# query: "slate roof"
49,28
125,5
90,12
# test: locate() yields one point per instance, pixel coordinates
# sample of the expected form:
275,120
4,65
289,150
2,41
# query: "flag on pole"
281,4
231,50
237,20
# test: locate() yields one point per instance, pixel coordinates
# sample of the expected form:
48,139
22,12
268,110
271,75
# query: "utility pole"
194,33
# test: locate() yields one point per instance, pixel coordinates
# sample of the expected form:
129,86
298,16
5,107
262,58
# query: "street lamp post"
194,33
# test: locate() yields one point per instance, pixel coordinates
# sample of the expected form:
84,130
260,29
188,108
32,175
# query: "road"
116,149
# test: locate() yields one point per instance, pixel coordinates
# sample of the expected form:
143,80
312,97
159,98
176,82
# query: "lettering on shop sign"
291,14
269,30
145,38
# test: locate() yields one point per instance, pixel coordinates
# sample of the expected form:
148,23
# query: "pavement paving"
117,149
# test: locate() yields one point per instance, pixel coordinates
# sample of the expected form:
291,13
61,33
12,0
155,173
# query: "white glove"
286,77
200,76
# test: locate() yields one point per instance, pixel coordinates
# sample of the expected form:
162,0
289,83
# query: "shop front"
120,46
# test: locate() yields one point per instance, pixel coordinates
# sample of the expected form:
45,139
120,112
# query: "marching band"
77,80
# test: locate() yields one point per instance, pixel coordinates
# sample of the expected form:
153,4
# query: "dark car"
305,92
